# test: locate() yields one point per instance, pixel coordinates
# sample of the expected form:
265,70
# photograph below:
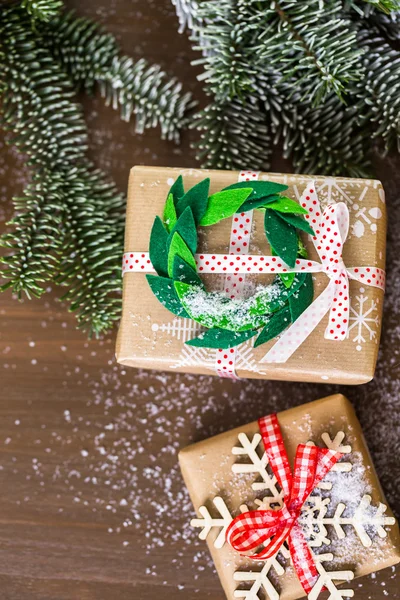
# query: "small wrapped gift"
291,505
253,275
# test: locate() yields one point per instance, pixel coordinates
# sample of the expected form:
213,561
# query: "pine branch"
388,25
36,239
91,57
313,43
379,93
187,13
68,227
234,136
32,94
69,223
326,139
92,248
69,230
224,33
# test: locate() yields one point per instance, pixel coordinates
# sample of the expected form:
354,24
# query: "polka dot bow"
331,228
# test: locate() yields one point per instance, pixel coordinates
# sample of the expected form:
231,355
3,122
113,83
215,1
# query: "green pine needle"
386,6
42,10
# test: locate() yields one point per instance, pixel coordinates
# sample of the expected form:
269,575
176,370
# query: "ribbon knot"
271,528
331,228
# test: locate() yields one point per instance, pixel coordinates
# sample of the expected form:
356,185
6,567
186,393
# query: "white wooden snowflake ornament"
327,580
317,520
256,464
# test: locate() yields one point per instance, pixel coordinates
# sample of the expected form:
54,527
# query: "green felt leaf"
177,189
186,227
298,222
277,323
281,236
179,248
287,279
221,338
158,247
287,205
197,199
285,292
257,203
169,217
302,250
224,204
302,299
184,272
261,190
164,291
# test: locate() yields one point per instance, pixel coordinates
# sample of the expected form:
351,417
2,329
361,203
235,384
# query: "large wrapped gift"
291,504
253,274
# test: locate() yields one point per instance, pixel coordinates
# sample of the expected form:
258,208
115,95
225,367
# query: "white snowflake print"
191,356
331,190
181,329
364,319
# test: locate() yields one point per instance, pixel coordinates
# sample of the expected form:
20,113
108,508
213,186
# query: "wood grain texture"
93,505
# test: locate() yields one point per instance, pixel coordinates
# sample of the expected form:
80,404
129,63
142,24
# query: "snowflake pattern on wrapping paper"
364,319
181,329
316,519
206,357
191,356
331,190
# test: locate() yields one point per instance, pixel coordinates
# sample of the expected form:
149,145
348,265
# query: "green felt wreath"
177,285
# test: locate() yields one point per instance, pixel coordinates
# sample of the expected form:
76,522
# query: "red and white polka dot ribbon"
234,281
331,228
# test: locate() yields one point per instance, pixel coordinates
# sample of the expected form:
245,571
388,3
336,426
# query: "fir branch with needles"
321,78
91,56
68,226
233,135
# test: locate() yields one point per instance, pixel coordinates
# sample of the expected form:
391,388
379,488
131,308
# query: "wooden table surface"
92,505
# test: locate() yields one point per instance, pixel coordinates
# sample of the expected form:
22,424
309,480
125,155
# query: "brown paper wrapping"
206,468
152,337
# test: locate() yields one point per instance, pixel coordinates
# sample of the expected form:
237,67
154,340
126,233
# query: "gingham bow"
272,527
331,228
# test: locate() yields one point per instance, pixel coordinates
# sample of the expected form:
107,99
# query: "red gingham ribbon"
271,528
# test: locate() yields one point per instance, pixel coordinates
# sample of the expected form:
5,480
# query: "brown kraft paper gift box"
152,337
207,470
